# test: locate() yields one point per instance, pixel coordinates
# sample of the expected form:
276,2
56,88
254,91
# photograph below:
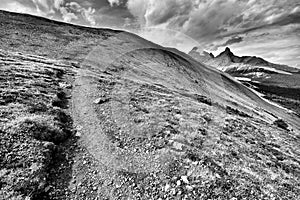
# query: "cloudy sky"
266,28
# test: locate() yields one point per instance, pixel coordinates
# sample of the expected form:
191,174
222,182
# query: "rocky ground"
35,122
107,115
155,144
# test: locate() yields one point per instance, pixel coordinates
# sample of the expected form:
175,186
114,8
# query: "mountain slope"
151,122
279,83
226,61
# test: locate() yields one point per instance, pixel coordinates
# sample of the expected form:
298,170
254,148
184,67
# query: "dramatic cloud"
57,9
220,23
229,42
209,19
86,13
209,24
161,36
16,6
279,45
114,2
138,9
233,40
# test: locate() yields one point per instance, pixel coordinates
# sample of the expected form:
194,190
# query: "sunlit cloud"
183,24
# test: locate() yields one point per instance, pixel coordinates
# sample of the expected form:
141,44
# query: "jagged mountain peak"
229,62
205,53
227,49
226,52
130,117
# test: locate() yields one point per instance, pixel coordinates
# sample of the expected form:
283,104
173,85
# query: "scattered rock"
154,107
188,187
234,111
79,128
47,189
65,85
178,146
185,179
49,145
78,134
167,187
101,100
203,99
75,65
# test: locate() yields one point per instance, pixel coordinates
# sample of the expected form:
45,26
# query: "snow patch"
243,79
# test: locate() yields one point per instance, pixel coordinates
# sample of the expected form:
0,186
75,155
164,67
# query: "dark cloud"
279,22
236,20
233,40
210,23
293,18
119,13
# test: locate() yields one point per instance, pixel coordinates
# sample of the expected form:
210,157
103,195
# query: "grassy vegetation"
39,127
45,37
31,127
149,133
205,152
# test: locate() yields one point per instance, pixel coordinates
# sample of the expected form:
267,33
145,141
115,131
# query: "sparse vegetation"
281,124
203,99
43,128
31,128
147,129
235,111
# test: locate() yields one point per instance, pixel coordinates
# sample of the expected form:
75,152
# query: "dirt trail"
106,160
150,122
89,129
186,136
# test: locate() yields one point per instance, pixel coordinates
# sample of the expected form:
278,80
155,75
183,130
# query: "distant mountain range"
249,66
279,83
92,113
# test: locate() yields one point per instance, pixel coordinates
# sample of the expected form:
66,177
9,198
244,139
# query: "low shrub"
40,127
281,124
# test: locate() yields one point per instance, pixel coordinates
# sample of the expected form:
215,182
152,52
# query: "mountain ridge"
279,83
104,114
227,57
